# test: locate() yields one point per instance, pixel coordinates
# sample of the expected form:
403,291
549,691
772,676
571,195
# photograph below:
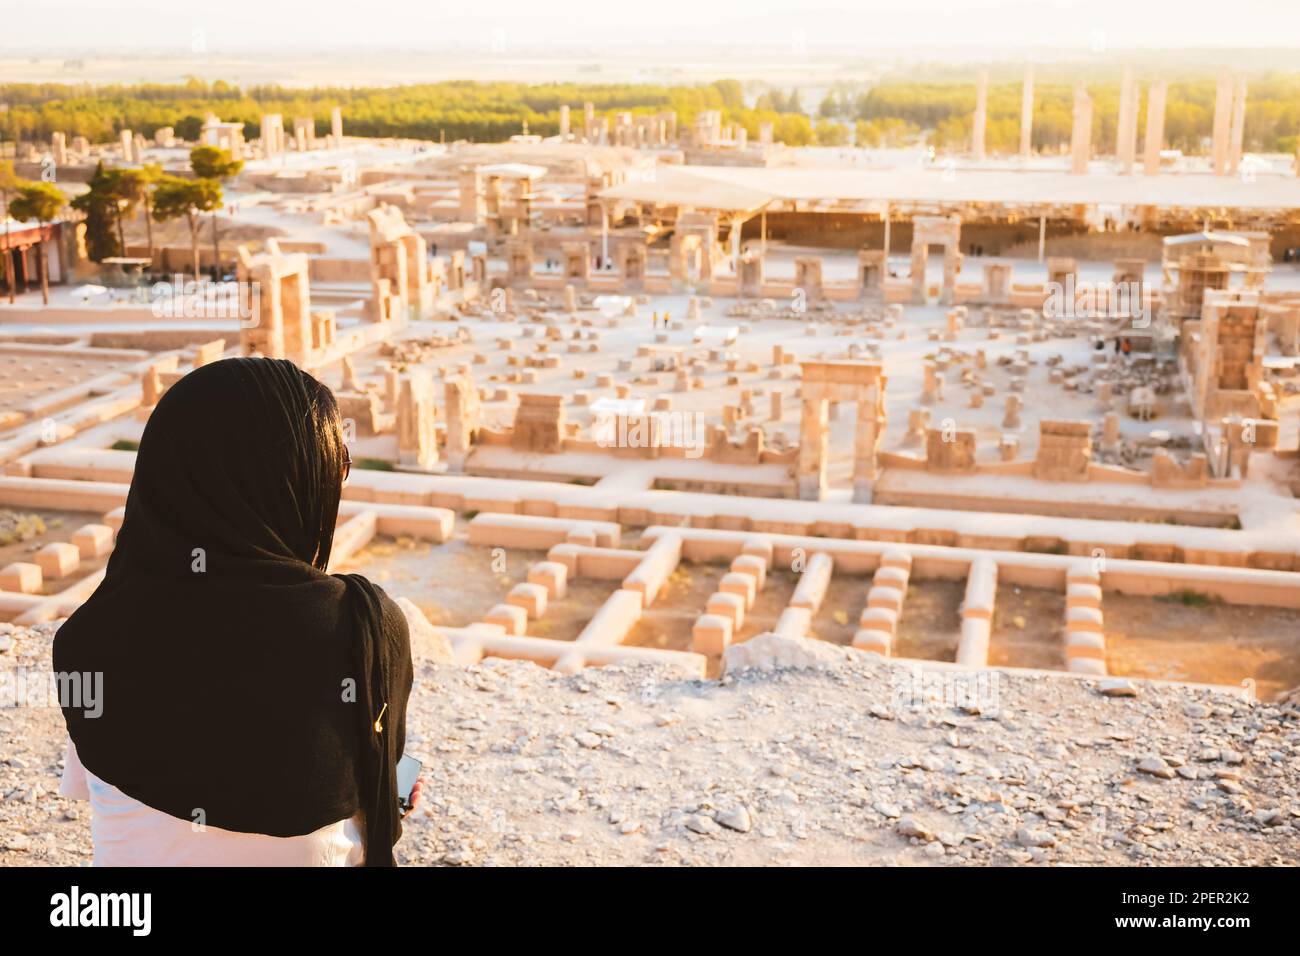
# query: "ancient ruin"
624,387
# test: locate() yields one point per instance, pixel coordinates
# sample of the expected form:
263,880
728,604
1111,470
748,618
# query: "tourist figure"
254,705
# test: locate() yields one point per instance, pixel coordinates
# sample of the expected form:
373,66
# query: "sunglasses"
347,462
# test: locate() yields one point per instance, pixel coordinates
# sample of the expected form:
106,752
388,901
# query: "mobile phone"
408,772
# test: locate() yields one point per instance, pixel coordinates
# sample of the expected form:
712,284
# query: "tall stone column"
1236,146
980,123
811,477
1222,124
920,255
865,437
1155,128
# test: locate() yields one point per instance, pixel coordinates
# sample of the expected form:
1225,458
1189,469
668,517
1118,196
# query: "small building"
21,243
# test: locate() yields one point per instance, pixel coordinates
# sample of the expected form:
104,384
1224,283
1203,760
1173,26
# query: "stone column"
812,446
1222,124
417,439
1110,431
865,437
920,254
980,124
1011,420
1237,143
1155,128
951,260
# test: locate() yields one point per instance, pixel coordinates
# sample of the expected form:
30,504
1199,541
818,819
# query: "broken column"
1011,419
417,437
460,396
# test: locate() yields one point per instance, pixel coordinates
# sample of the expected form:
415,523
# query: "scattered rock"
1156,766
699,823
1117,687
735,818
908,827
1034,838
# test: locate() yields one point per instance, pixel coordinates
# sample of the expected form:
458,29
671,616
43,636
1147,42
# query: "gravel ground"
803,754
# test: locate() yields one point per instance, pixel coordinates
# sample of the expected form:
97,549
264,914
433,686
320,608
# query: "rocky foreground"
803,754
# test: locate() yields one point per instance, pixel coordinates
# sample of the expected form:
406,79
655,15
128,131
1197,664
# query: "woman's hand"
415,797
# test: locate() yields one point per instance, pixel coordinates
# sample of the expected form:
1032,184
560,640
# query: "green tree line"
946,111
894,112
482,112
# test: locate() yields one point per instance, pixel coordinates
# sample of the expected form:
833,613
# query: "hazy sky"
657,25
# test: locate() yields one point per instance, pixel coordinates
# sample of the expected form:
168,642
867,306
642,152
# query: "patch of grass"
471,514
373,464
20,527
1190,598
124,444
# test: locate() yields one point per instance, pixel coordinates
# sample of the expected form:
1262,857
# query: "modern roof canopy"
748,189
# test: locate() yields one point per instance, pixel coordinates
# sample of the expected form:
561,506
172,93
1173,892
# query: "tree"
832,134
42,202
99,209
124,188
150,173
213,165
10,182
174,197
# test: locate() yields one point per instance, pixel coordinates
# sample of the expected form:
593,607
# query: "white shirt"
125,832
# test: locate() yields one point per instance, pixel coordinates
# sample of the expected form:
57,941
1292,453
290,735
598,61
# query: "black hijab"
242,685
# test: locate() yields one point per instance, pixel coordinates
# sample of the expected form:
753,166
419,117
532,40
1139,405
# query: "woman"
254,706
